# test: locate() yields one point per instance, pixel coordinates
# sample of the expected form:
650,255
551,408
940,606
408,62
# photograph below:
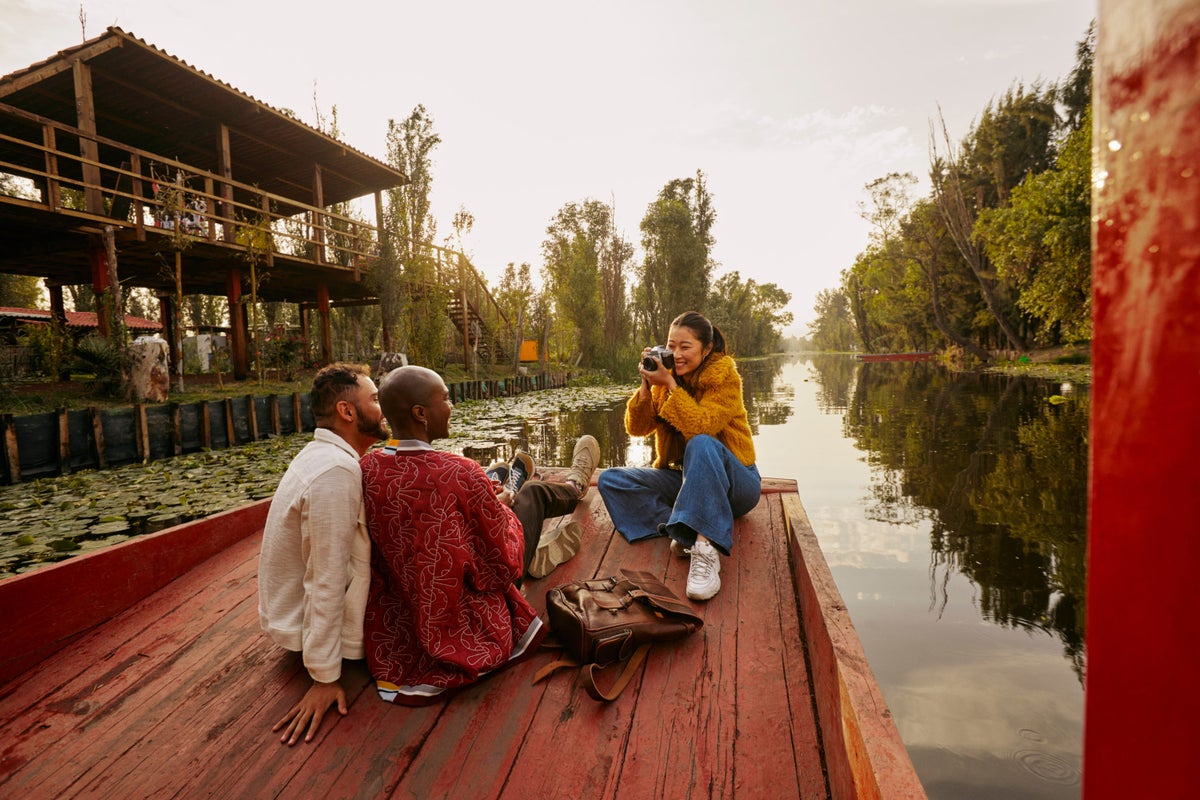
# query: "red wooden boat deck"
175,695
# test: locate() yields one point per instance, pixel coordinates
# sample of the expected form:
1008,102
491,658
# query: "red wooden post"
237,325
98,260
1143,538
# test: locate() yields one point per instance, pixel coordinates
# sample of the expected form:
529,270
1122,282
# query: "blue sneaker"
520,469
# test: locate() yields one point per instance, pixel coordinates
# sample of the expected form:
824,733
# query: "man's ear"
419,414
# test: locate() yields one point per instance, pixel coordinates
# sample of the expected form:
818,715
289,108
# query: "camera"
664,355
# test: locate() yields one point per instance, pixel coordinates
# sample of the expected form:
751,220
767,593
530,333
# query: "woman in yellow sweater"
701,434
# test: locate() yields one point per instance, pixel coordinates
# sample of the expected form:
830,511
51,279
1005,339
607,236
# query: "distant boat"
140,670
896,356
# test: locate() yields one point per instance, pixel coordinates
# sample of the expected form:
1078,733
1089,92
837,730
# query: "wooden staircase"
478,335
484,330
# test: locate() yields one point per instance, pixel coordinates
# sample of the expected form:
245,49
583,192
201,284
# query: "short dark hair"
331,384
706,333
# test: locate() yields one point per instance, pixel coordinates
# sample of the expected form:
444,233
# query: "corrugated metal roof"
77,319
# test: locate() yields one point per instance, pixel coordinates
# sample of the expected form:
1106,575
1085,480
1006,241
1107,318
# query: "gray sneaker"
704,574
555,547
584,462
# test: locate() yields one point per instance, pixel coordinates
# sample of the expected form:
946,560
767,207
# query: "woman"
701,433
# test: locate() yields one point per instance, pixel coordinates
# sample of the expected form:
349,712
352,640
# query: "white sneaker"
679,549
704,574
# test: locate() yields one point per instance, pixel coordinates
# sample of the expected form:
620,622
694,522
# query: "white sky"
788,106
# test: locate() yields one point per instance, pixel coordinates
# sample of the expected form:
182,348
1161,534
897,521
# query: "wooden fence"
62,441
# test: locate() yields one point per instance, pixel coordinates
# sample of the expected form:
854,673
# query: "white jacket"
315,566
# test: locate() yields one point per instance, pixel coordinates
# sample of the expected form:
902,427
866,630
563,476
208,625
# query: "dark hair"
331,384
706,333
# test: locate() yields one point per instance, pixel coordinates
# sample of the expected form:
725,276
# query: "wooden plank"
865,757
149,653
40,610
774,692
273,407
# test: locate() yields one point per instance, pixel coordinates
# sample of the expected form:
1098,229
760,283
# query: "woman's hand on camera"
657,377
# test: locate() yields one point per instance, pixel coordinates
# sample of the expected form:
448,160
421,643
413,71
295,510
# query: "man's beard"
378,429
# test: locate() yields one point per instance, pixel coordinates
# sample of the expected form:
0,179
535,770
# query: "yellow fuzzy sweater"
712,404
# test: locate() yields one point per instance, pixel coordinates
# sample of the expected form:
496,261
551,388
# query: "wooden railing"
138,189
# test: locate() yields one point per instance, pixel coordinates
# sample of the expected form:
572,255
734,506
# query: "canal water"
952,511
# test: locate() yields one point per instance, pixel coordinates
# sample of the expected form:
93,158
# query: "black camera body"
664,355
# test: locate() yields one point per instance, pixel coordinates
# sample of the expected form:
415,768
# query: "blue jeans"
713,489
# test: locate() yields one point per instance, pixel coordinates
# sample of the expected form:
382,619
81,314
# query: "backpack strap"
626,675
554,666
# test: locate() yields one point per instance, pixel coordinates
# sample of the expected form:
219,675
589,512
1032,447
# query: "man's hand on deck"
310,711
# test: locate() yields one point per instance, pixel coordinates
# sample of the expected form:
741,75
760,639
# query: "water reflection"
1000,472
952,511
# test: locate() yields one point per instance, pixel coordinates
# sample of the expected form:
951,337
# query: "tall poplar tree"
405,278
677,240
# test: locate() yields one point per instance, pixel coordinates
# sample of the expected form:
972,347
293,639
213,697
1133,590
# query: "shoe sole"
704,596
555,547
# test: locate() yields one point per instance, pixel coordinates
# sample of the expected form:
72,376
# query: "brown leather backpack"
602,622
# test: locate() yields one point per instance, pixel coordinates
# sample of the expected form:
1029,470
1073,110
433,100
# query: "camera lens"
649,364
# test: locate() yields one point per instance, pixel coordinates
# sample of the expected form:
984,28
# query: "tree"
1011,140
750,314
677,239
584,264
833,329
1075,94
1041,241
19,291
405,276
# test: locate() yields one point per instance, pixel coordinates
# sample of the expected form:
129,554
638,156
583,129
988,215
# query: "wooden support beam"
225,165
141,432
64,440
318,219
176,430
251,418
238,353
230,441
89,149
298,422
53,198
273,408
98,437
205,415
11,452
326,333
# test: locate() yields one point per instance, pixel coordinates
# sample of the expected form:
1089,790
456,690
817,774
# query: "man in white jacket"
315,566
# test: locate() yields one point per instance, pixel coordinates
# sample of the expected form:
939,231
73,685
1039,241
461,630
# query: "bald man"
445,608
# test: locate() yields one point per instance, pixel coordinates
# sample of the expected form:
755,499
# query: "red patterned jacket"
443,609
